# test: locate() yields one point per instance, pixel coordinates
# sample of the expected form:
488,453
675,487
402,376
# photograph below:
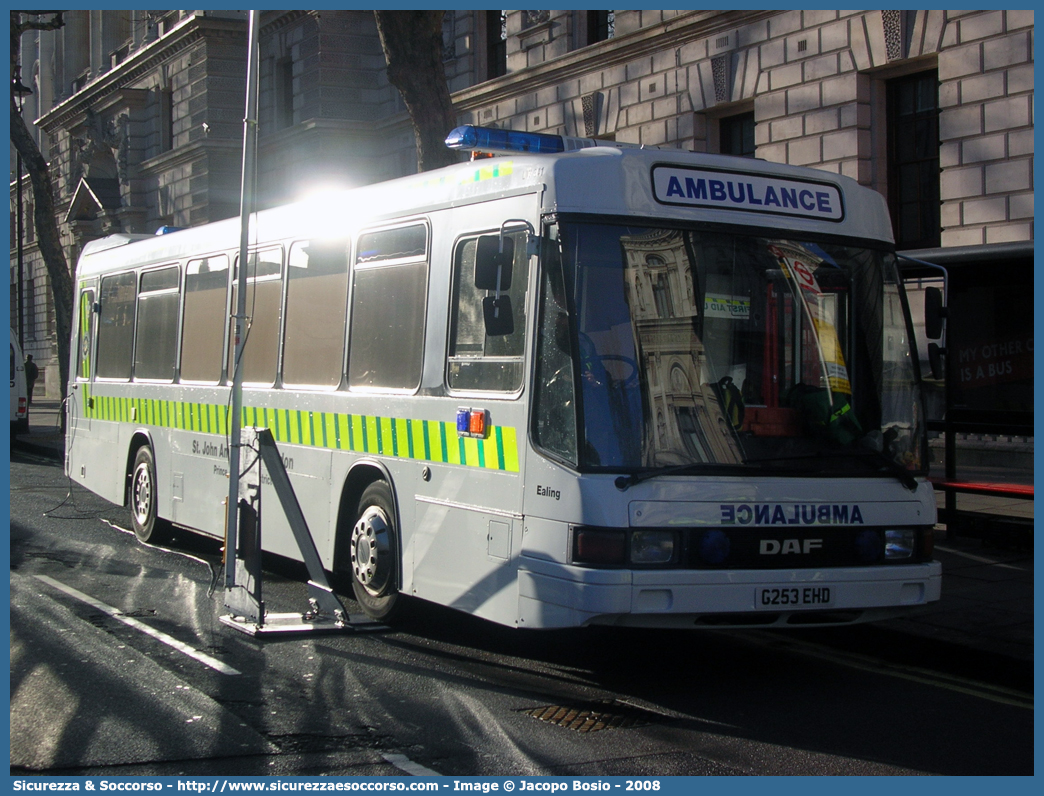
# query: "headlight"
900,543
652,547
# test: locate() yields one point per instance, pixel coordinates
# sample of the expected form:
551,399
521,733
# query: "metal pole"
246,208
19,91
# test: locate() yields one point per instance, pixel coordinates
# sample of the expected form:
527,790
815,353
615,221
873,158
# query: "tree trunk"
412,42
48,239
47,234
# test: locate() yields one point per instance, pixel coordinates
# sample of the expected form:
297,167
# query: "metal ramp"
243,595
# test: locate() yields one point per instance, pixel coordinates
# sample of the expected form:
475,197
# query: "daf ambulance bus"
570,384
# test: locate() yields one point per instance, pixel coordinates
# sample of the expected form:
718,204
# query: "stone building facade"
140,112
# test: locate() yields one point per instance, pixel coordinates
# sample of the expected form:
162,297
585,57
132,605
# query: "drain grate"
591,718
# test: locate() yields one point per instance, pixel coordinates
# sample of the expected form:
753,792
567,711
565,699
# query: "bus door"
83,453
469,520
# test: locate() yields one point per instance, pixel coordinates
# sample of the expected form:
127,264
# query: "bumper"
559,595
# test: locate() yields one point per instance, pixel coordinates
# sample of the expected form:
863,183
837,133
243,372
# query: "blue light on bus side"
463,421
490,139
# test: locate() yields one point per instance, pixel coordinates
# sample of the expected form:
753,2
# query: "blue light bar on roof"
491,139
470,138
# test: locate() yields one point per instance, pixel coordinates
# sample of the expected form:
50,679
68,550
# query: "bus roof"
667,184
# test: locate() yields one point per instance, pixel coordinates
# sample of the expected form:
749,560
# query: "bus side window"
203,327
478,361
116,326
85,338
264,298
389,298
316,308
156,338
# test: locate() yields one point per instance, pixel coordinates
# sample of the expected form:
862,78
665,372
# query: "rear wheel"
147,526
374,555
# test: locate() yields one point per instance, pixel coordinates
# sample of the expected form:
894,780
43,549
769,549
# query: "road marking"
403,763
202,657
980,559
962,685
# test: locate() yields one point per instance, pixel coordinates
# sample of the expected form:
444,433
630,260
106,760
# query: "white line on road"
403,763
867,663
980,559
202,657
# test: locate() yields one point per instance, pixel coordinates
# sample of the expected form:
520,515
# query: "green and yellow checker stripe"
402,438
492,169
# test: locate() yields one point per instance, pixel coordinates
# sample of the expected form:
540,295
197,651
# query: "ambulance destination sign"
756,193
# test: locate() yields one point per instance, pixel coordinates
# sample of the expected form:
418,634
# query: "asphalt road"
120,665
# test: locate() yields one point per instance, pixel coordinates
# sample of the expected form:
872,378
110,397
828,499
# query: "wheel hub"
371,551
142,494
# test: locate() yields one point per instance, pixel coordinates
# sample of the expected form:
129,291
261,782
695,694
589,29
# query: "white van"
19,394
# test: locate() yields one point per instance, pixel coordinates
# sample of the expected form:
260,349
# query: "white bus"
685,394
19,392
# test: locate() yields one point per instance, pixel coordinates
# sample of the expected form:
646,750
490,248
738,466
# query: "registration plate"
777,598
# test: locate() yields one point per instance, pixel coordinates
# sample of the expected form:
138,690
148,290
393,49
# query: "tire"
374,555
147,526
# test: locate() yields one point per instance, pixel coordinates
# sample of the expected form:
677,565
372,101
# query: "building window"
166,114
913,159
601,25
449,39
30,308
736,135
496,44
284,93
662,296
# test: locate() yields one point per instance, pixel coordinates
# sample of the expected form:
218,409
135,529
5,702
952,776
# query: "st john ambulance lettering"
753,192
791,514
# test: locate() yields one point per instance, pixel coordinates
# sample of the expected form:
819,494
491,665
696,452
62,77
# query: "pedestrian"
31,372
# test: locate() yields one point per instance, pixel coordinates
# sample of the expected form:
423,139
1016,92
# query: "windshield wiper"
624,482
864,454
888,465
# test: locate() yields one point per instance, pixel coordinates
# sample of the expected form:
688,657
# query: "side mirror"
934,312
496,312
935,361
493,266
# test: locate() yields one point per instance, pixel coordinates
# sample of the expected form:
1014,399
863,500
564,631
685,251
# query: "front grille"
786,547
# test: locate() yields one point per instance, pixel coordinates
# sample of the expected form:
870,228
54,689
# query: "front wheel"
148,527
374,554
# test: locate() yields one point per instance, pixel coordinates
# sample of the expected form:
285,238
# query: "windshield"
665,348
